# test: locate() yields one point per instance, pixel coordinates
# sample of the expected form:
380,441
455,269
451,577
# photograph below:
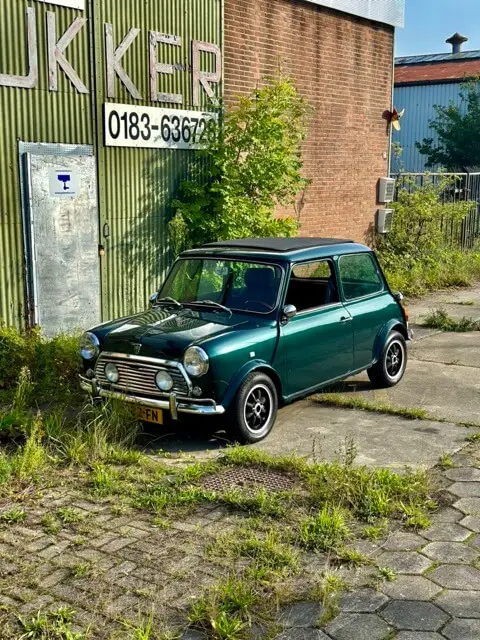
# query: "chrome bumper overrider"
172,403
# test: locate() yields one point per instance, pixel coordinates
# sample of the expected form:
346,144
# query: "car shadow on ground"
187,435
200,435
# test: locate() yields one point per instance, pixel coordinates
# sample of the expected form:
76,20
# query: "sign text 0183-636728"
129,125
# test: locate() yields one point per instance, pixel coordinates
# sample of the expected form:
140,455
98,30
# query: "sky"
428,23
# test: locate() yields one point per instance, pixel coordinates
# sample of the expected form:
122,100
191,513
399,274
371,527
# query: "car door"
368,301
317,343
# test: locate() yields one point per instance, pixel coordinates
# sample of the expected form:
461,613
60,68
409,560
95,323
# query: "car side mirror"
398,296
289,312
153,298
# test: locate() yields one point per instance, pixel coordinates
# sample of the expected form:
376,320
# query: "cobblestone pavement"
111,568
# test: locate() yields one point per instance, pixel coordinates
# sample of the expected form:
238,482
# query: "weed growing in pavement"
328,591
13,516
225,609
104,479
446,461
82,569
376,531
144,629
324,531
416,518
54,625
269,555
439,319
358,402
68,515
475,437
50,524
385,573
353,557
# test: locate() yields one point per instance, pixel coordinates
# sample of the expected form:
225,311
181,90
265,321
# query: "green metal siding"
33,115
136,185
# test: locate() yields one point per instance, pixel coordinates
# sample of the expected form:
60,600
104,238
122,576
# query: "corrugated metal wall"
418,102
135,185
33,115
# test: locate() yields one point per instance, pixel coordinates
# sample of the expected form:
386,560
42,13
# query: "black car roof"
282,245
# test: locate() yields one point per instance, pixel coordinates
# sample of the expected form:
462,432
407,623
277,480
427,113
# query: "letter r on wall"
205,78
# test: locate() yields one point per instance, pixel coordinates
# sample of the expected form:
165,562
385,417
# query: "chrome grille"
137,376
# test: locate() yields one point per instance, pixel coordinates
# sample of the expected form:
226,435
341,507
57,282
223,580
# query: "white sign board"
72,4
64,183
128,125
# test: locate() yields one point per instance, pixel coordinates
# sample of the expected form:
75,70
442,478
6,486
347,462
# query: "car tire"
390,368
254,409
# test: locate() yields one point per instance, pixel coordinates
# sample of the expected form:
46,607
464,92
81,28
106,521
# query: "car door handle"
346,319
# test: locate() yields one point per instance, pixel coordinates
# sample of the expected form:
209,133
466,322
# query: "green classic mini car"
242,326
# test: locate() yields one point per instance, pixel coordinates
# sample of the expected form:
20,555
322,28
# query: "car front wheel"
254,409
390,368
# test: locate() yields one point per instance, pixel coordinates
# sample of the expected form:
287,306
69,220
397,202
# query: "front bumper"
173,404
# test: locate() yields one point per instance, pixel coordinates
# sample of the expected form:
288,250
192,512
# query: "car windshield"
239,286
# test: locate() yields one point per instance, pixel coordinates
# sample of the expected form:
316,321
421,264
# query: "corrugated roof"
438,57
456,70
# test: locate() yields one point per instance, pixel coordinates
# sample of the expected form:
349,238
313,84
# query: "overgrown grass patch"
52,362
440,319
374,406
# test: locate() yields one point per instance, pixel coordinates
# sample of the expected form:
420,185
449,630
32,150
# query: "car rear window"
359,276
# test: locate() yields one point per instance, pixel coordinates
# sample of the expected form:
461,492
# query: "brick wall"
343,65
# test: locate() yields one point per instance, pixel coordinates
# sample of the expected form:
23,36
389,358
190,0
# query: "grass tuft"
52,625
13,516
224,611
439,319
358,402
325,531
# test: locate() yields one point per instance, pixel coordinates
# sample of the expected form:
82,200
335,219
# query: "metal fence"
463,187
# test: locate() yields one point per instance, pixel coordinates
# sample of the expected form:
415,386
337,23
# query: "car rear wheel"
254,409
390,368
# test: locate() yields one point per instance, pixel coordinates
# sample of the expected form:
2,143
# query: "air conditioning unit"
384,220
386,190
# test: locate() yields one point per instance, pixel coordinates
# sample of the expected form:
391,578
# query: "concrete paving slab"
458,348
446,392
456,303
316,431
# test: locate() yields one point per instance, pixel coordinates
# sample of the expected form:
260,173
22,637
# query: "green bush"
417,255
53,363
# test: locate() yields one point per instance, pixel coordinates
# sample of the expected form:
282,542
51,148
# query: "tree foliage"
422,252
252,163
458,131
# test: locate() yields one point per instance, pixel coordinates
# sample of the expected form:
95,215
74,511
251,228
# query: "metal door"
318,344
61,236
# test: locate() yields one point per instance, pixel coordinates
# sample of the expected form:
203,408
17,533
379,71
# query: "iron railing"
463,187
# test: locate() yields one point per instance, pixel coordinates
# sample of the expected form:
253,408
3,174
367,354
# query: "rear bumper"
173,404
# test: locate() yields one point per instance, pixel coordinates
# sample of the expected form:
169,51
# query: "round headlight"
111,373
164,381
89,346
195,361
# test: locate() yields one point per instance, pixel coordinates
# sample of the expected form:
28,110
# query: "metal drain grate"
249,478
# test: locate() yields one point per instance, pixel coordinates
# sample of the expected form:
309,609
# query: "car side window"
312,285
359,275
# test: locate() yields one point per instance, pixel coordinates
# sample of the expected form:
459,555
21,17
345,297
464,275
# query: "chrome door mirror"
289,312
153,298
398,296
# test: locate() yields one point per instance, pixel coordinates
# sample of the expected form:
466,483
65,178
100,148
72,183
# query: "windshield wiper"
169,301
212,303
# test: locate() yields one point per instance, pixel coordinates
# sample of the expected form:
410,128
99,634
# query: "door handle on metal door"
346,319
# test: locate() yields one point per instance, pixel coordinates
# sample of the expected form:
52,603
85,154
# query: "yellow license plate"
150,415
